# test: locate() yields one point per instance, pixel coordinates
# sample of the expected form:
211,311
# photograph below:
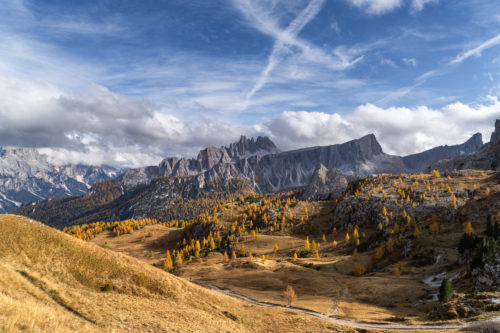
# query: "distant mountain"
178,188
419,162
268,170
486,158
364,156
208,159
27,176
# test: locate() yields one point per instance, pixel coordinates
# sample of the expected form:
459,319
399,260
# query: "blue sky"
129,82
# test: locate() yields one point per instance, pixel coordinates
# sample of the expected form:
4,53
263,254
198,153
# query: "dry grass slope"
50,281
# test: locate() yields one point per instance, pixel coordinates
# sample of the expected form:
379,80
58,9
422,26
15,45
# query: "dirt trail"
360,325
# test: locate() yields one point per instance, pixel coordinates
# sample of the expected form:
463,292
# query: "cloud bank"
102,127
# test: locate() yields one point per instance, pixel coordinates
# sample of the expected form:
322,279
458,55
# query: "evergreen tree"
445,290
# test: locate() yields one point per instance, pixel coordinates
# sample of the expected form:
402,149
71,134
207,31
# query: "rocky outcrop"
488,276
27,176
495,136
324,184
486,158
419,162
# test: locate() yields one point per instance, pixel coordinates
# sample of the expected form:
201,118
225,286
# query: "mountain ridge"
28,176
486,158
420,161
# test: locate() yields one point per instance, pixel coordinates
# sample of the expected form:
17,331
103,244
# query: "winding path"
355,324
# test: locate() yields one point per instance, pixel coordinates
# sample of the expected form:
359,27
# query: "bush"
467,242
445,290
106,287
359,269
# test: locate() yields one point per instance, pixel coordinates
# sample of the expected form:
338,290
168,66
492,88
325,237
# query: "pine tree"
307,245
264,259
295,257
445,290
314,247
276,248
226,257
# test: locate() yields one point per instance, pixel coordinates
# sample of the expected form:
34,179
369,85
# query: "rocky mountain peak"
495,136
247,147
475,141
370,144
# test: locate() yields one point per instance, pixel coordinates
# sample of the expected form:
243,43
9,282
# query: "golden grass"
50,281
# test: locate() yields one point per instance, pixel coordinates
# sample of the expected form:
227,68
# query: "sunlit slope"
50,281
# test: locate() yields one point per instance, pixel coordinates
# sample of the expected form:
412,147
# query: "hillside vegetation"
52,282
166,198
377,253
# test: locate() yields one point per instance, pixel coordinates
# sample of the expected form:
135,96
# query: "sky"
127,83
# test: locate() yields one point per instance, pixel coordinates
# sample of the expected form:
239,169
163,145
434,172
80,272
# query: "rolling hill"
50,281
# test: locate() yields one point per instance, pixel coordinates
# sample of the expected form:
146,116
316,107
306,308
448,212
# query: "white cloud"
418,5
477,50
410,61
101,127
335,26
262,18
376,6
388,62
399,130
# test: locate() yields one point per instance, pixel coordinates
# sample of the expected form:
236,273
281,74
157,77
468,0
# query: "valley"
403,254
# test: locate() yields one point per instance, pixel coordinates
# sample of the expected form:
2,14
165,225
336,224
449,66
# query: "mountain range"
486,158
177,188
27,176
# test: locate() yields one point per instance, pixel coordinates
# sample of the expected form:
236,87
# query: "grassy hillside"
50,281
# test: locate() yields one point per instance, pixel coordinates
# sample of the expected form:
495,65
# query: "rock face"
495,136
324,184
486,158
26,176
208,159
488,277
268,170
419,162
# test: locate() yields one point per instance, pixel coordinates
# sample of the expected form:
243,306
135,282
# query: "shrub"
467,242
359,269
106,287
